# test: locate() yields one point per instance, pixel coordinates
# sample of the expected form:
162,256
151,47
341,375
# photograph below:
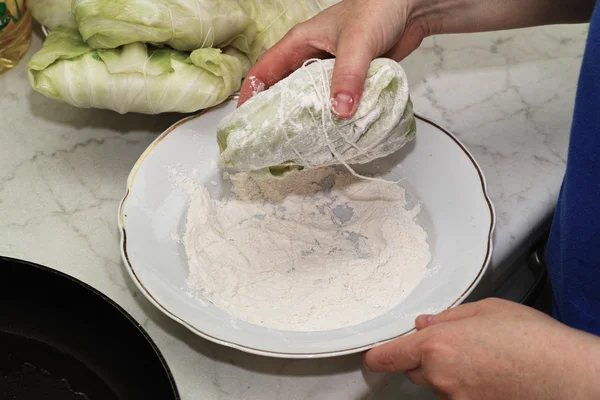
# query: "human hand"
494,349
355,32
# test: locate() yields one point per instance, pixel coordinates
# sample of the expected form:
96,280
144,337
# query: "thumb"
463,311
354,53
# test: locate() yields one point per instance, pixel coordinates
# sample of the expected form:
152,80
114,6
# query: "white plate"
456,213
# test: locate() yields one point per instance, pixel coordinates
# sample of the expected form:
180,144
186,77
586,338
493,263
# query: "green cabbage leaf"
52,13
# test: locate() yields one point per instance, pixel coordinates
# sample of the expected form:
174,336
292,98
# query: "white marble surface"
508,96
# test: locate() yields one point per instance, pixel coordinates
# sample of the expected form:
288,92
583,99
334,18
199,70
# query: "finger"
354,53
417,377
401,354
453,314
275,65
281,60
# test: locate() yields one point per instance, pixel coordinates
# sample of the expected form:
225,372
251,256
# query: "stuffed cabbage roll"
52,13
132,78
182,24
271,20
292,125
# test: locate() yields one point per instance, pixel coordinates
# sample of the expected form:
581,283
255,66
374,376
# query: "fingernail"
424,319
343,105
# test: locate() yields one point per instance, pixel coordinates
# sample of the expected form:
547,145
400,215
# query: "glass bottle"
15,32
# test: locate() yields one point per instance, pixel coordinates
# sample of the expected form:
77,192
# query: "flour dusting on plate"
314,250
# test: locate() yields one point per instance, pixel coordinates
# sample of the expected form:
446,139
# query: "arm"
464,16
493,350
357,31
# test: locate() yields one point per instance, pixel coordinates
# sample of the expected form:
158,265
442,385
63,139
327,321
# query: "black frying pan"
61,339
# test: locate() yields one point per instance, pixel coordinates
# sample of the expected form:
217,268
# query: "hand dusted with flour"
291,124
315,250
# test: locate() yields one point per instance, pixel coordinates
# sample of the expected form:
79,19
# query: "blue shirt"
573,253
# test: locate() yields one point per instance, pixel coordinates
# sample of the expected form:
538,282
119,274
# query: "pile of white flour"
315,250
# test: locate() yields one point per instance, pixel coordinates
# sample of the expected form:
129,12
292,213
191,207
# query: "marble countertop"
508,96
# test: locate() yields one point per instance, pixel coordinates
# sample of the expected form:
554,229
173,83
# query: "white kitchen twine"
326,113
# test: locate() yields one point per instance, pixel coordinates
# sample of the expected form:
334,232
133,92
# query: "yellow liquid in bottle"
15,32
